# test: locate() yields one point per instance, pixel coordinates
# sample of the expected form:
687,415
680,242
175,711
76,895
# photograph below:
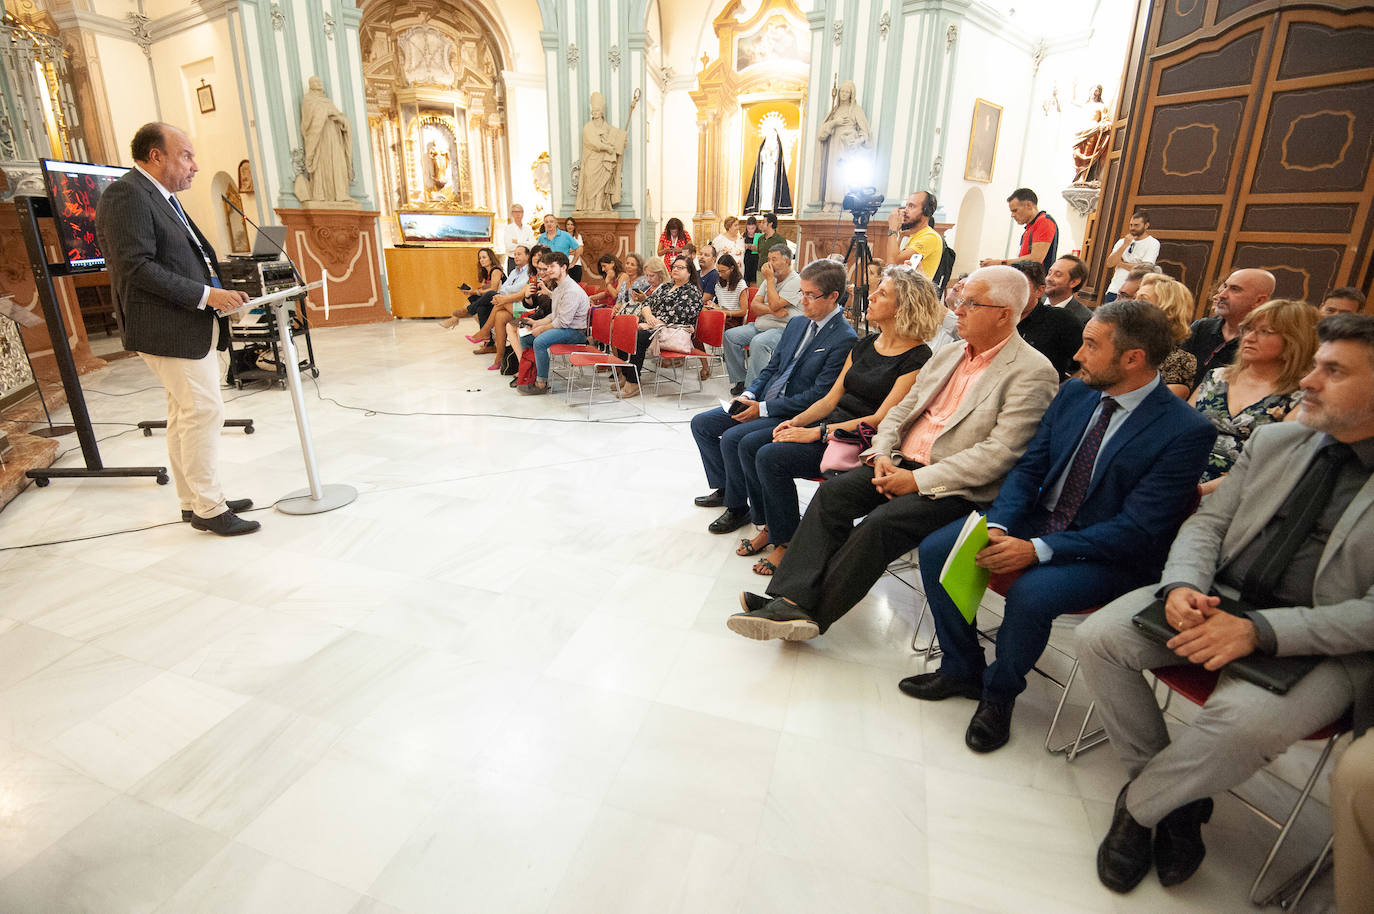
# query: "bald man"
1214,339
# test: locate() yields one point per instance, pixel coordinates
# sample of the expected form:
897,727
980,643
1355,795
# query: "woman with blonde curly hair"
1173,298
1278,341
906,310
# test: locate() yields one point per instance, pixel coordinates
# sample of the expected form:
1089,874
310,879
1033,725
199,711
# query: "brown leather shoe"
484,349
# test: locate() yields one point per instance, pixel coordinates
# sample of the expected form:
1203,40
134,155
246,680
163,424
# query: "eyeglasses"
968,303
1262,331
812,296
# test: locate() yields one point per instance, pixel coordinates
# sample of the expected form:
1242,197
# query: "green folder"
964,581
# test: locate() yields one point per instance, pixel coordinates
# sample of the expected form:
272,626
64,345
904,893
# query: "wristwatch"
823,428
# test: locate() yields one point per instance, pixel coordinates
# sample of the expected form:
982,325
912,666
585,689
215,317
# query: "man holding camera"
921,245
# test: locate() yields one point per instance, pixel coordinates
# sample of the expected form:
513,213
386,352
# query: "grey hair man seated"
1290,536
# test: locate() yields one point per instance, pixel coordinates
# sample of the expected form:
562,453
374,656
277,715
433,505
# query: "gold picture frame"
206,97
982,141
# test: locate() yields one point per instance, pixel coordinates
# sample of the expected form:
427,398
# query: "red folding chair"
1196,684
625,337
713,323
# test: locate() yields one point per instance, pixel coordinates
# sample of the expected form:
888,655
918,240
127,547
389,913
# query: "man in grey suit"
1290,532
938,454
169,302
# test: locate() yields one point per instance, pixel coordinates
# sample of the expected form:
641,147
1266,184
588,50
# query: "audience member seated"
489,279
1173,298
533,298
804,366
635,278
673,241
566,322
508,294
1352,809
1345,300
879,372
731,292
938,454
949,325
675,303
1135,248
777,302
655,275
1131,287
1289,538
729,240
608,276
1062,282
1086,514
1277,341
1039,238
709,275
1057,334
1214,339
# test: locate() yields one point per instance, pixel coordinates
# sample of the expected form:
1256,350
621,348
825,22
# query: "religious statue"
1090,144
768,188
844,137
598,187
436,166
328,147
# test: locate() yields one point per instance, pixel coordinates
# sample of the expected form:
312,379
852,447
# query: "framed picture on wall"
982,141
206,96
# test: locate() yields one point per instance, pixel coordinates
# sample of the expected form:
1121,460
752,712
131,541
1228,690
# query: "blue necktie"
209,267
780,382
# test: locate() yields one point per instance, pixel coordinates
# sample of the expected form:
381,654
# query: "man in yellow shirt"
922,245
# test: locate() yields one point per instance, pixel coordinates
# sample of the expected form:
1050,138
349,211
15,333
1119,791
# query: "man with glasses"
806,362
939,454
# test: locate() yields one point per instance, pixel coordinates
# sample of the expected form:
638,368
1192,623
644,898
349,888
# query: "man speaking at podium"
170,303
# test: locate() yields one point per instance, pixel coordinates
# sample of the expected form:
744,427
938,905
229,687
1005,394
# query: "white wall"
678,196
128,89
527,135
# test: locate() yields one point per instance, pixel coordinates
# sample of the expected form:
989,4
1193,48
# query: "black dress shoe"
737,389
752,602
937,687
1178,842
730,521
777,619
990,727
1123,857
234,504
226,524
714,499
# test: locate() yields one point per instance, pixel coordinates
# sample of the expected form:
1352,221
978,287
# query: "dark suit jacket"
816,371
1056,334
1143,487
156,273
1077,309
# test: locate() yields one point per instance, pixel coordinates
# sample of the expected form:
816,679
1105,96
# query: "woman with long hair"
877,374
1278,341
675,303
731,291
1173,298
609,273
489,278
673,241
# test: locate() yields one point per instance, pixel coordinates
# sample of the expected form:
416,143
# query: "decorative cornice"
328,26
884,25
138,30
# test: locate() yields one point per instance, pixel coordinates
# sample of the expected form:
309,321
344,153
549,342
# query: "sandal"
747,548
765,568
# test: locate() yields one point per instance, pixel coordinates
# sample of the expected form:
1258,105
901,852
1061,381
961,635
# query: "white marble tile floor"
499,682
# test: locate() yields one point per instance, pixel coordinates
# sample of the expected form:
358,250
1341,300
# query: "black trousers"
831,564
479,306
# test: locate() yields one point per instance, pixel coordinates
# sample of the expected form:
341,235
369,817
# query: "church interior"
499,680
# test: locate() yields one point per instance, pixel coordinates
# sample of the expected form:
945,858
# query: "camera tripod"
863,258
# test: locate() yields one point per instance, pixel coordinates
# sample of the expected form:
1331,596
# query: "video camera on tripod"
862,203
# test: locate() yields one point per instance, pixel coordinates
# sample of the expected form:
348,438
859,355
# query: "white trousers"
195,416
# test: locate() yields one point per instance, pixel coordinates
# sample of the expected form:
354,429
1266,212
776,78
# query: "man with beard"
921,244
1085,515
1135,247
1065,277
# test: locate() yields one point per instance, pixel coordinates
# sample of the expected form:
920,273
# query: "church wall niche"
437,107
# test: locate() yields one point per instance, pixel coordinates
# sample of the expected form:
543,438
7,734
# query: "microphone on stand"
234,206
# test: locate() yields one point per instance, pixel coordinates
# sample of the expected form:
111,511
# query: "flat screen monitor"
74,189
444,228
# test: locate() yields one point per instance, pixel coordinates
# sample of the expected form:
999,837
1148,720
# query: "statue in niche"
436,167
769,191
844,137
598,187
328,147
1090,145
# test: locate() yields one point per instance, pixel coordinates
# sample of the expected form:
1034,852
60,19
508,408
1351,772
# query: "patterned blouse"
677,306
624,304
674,248
1234,431
1179,368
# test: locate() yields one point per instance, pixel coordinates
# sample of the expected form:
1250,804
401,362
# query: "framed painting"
982,141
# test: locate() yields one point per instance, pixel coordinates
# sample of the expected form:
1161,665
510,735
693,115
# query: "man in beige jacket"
939,454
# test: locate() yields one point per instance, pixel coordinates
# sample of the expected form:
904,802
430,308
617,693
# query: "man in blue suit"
805,364
1085,515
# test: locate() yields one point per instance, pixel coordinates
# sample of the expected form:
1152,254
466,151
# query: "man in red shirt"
1040,239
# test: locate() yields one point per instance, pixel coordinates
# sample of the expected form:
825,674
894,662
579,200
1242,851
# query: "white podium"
317,498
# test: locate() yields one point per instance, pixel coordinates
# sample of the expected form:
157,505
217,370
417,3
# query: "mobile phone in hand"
737,406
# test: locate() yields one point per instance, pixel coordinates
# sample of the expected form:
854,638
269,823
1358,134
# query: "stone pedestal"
342,245
601,235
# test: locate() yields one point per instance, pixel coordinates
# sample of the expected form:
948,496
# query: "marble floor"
498,682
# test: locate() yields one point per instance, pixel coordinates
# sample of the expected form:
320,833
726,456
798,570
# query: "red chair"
563,350
1196,684
710,325
625,337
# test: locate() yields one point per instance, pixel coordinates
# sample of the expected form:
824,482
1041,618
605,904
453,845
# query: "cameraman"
922,246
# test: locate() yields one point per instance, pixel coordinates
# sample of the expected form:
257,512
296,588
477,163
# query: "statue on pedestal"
844,136
328,148
1090,144
769,191
598,187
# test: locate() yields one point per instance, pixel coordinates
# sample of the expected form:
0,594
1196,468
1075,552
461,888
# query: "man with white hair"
1215,339
939,454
